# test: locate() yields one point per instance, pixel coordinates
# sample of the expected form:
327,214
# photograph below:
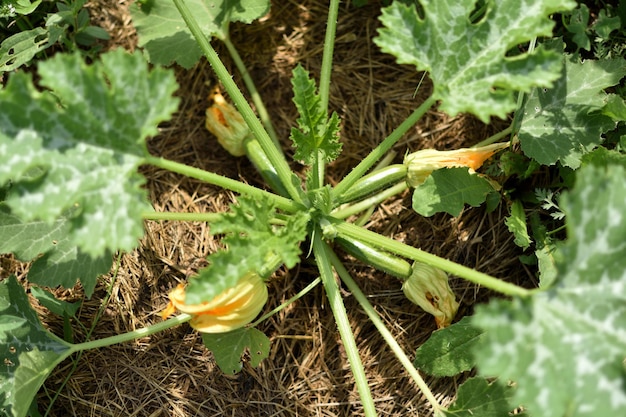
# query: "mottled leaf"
565,122
85,136
475,66
29,351
564,347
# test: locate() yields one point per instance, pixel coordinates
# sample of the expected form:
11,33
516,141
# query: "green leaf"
19,49
615,108
516,223
315,133
478,397
564,347
86,135
30,352
565,122
252,241
470,63
577,26
56,260
49,301
606,24
448,190
448,351
165,37
229,347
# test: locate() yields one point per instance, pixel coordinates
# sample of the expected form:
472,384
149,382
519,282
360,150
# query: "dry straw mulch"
307,373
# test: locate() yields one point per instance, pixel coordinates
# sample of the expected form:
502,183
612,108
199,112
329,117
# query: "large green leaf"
165,37
56,260
76,147
29,352
564,347
252,240
565,122
471,64
228,348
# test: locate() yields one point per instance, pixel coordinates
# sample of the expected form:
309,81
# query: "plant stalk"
349,210
274,154
382,329
401,249
341,317
221,181
378,152
127,337
254,93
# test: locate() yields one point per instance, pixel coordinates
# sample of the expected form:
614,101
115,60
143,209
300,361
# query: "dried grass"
307,373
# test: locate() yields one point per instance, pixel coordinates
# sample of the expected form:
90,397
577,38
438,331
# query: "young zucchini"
384,261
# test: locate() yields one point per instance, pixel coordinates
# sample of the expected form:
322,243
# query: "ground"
307,373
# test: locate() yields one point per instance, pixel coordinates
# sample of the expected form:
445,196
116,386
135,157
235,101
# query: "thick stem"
274,154
221,181
382,149
382,329
400,249
341,317
127,337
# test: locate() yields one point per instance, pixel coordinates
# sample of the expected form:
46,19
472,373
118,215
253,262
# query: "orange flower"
422,163
230,310
228,126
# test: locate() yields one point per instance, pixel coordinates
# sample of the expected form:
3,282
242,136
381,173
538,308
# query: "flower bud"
428,288
422,163
233,308
225,122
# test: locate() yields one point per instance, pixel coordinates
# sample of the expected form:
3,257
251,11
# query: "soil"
307,373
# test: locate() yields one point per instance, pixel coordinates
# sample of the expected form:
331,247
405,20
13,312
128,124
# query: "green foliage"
516,223
448,190
30,352
448,351
564,346
315,132
229,347
565,122
69,26
85,135
166,39
252,241
477,397
468,62
57,261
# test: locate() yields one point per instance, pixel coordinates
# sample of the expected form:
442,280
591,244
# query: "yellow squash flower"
230,310
228,126
422,163
428,288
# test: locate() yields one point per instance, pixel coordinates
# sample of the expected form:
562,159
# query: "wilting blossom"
428,288
226,123
422,163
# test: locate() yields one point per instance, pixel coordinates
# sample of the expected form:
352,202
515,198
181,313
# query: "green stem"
221,181
341,317
374,181
494,138
274,154
351,209
184,217
306,289
127,337
382,329
254,93
382,148
400,249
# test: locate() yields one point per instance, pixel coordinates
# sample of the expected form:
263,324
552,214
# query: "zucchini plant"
72,196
